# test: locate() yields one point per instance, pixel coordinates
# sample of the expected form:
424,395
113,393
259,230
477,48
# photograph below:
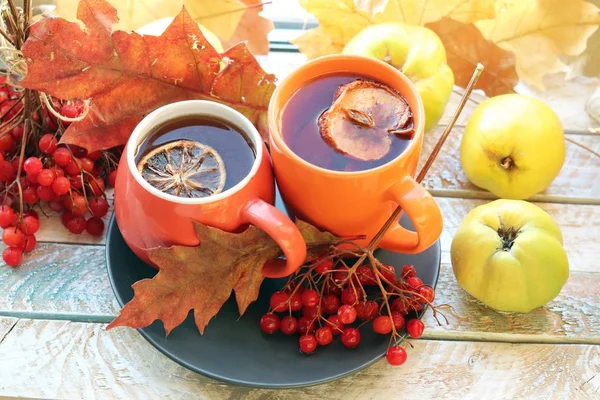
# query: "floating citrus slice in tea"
184,168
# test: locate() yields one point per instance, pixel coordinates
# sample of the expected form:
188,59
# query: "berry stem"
10,121
576,143
26,128
59,116
8,39
384,292
13,18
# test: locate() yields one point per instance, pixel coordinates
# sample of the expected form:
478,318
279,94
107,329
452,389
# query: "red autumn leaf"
127,75
202,277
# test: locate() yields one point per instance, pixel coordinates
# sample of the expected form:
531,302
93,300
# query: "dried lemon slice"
184,168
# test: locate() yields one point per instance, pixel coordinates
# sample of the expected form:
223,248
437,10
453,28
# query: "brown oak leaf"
202,277
128,75
465,47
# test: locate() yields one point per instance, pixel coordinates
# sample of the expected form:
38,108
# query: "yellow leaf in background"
588,62
371,7
132,13
420,12
222,16
340,16
539,31
253,29
219,16
466,10
318,42
156,28
341,20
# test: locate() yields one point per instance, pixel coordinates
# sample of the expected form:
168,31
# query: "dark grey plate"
234,350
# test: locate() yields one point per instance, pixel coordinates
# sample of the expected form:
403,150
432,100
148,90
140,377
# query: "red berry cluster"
327,299
35,168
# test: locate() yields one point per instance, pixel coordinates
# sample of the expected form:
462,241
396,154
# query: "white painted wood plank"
58,359
579,223
577,181
6,325
64,281
580,226
70,282
573,317
52,230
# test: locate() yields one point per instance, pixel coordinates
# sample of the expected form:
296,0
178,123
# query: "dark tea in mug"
358,122
195,156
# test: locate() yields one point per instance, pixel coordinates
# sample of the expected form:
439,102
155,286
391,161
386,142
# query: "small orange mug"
149,218
356,203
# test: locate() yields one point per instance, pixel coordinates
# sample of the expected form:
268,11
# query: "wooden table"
54,308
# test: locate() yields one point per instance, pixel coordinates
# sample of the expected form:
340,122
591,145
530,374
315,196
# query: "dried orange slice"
184,168
363,118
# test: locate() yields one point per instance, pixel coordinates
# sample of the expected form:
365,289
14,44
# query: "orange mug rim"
274,120
202,108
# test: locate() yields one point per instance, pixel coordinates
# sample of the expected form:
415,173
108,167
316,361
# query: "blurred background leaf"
233,21
515,39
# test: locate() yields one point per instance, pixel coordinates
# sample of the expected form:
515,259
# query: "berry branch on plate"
327,297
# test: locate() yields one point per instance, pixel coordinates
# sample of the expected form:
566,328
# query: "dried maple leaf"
202,277
340,20
539,31
128,75
465,47
362,119
252,28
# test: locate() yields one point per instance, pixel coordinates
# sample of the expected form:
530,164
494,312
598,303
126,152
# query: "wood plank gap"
436,335
574,132
46,316
63,242
538,198
497,337
9,330
583,132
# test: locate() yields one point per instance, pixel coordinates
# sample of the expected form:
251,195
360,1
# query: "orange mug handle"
422,210
283,231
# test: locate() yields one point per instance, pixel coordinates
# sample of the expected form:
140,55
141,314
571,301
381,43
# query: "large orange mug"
149,218
356,203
